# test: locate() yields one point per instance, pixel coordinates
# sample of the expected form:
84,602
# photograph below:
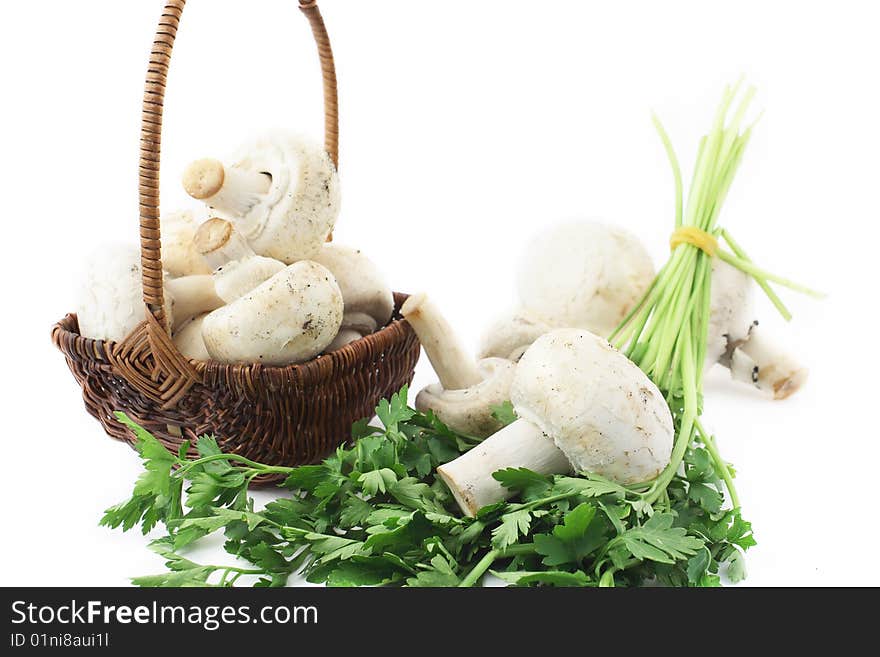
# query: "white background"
465,127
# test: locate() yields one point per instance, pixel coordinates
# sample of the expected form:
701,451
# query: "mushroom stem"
760,362
454,368
231,190
519,445
192,296
219,243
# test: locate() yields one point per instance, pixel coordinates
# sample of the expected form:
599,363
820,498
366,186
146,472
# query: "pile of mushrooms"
250,275
582,406
590,275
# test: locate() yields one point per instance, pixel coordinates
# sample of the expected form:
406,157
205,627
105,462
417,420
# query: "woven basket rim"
312,371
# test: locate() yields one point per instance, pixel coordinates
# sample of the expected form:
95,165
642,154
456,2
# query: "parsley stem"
543,501
517,550
232,457
720,466
229,570
491,557
607,579
480,569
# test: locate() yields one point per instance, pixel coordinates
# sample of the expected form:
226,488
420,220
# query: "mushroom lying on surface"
584,274
582,406
282,195
111,304
510,336
581,274
179,256
288,319
736,341
237,269
368,300
464,397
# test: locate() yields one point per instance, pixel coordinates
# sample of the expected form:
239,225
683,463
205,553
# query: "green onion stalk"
666,333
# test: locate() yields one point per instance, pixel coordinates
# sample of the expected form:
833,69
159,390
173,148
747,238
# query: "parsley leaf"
504,413
513,525
374,513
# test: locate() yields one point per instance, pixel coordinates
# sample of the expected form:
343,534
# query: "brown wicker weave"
276,415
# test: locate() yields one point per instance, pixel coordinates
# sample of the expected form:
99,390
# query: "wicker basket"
276,415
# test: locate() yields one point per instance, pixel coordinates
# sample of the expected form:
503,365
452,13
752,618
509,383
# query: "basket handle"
151,141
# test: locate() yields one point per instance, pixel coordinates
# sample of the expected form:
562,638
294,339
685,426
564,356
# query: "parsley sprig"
374,513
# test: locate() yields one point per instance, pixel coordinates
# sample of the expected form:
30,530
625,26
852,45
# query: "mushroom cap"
110,299
469,411
293,220
179,255
584,274
290,318
235,279
512,334
188,339
732,312
598,407
368,300
343,338
237,269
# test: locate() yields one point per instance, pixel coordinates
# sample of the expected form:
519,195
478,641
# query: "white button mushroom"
282,194
731,313
190,296
583,406
736,341
464,397
189,341
237,269
111,304
369,302
511,335
288,319
581,274
761,362
179,256
584,274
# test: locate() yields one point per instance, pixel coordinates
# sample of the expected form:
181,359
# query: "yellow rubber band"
694,236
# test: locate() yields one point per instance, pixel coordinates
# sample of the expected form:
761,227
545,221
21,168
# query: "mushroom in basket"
290,318
236,271
110,304
369,302
281,193
236,268
179,254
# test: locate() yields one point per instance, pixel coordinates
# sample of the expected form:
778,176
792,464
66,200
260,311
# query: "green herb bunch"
375,514
666,333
